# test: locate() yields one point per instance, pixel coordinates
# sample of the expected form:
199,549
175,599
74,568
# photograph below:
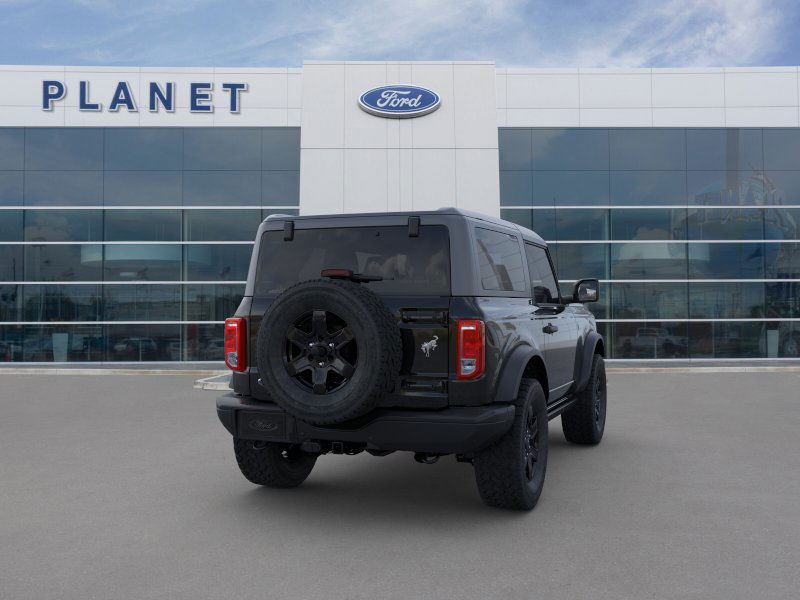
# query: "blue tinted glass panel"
11,263
221,225
726,224
516,188
12,148
142,225
650,339
62,343
63,262
731,188
576,188
648,187
783,340
145,262
570,149
540,221
727,340
10,226
280,147
648,149
204,342
782,148
724,149
64,188
143,342
221,148
515,149
11,188
782,261
649,300
726,300
783,299
62,303
10,307
63,149
217,263
142,302
212,302
726,261
63,225
143,148
590,224
221,188
143,188
500,261
580,261
648,224
782,187
280,188
648,261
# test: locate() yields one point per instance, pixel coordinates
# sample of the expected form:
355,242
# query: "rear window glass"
499,261
409,265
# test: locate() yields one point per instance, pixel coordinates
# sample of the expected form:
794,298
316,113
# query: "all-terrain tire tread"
268,468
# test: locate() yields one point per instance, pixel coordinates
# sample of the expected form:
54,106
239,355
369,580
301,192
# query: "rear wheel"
510,473
272,465
585,421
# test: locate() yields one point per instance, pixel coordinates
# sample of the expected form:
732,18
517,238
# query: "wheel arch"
524,362
594,344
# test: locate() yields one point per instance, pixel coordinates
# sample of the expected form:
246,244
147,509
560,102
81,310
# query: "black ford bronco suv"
439,332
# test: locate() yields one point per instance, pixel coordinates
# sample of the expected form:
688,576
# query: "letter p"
51,91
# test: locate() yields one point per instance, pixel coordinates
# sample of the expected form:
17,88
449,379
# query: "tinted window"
143,149
726,223
142,188
153,262
142,302
643,149
10,304
11,226
570,149
62,343
409,265
213,188
648,261
280,147
516,188
515,149
726,261
212,302
648,224
142,225
221,225
782,149
67,262
63,149
580,261
726,340
648,187
11,187
650,339
221,148
63,225
542,221
648,300
65,188
143,342
726,300
564,188
12,143
214,262
280,188
499,261
543,283
62,302
591,224
723,149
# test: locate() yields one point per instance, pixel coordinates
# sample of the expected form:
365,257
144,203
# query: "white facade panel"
616,117
689,90
542,90
689,117
438,129
362,130
474,107
323,194
760,89
761,116
433,179
615,90
542,117
366,180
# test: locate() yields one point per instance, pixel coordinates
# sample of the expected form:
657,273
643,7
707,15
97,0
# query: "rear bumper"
452,430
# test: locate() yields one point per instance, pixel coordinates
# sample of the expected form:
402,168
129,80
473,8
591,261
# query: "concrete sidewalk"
126,487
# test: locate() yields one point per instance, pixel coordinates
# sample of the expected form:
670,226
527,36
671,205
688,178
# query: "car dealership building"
129,197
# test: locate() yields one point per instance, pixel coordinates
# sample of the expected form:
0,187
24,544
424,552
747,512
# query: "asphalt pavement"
125,486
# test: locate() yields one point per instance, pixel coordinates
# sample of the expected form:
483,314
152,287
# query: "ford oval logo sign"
399,101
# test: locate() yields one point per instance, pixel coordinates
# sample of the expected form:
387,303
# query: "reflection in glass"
727,340
10,226
12,148
724,149
62,303
726,300
570,149
783,299
580,261
280,148
590,224
212,302
11,264
783,340
726,223
142,225
280,188
142,302
10,304
146,262
648,261
143,148
732,188
650,339
569,188
63,225
648,187
11,188
63,262
204,342
64,188
648,300
726,261
648,224
221,188
648,149
217,263
62,343
63,148
221,225
514,149
222,148
143,188
516,188
782,260
143,342
782,148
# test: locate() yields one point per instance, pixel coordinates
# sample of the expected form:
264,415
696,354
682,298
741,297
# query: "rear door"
550,319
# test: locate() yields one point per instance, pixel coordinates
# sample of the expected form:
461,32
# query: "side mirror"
586,290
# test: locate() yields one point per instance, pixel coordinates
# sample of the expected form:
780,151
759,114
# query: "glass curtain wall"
692,232
132,244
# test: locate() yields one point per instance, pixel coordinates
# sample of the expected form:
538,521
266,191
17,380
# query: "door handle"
550,328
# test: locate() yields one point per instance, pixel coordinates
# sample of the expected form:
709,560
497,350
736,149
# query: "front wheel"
510,472
585,421
272,465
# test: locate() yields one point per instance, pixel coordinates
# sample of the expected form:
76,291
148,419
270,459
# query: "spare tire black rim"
320,352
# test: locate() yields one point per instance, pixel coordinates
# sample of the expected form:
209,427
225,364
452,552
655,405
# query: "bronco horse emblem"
429,346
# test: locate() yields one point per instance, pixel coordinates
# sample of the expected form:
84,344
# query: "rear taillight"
236,343
471,349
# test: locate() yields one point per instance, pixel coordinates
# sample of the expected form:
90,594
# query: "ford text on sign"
399,101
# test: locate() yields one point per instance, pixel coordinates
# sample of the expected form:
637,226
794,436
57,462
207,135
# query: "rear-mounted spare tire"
328,351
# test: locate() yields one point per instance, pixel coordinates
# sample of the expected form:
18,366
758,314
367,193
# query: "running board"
560,405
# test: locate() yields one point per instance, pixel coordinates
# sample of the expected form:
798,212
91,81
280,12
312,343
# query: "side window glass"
543,283
499,261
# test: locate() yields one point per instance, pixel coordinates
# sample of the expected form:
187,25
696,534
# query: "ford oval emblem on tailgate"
399,101
263,425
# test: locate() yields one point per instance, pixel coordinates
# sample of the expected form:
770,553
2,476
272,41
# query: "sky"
565,33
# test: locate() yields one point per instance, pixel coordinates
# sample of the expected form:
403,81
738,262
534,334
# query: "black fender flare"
511,375
584,360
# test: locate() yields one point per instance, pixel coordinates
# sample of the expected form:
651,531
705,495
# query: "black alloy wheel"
321,353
